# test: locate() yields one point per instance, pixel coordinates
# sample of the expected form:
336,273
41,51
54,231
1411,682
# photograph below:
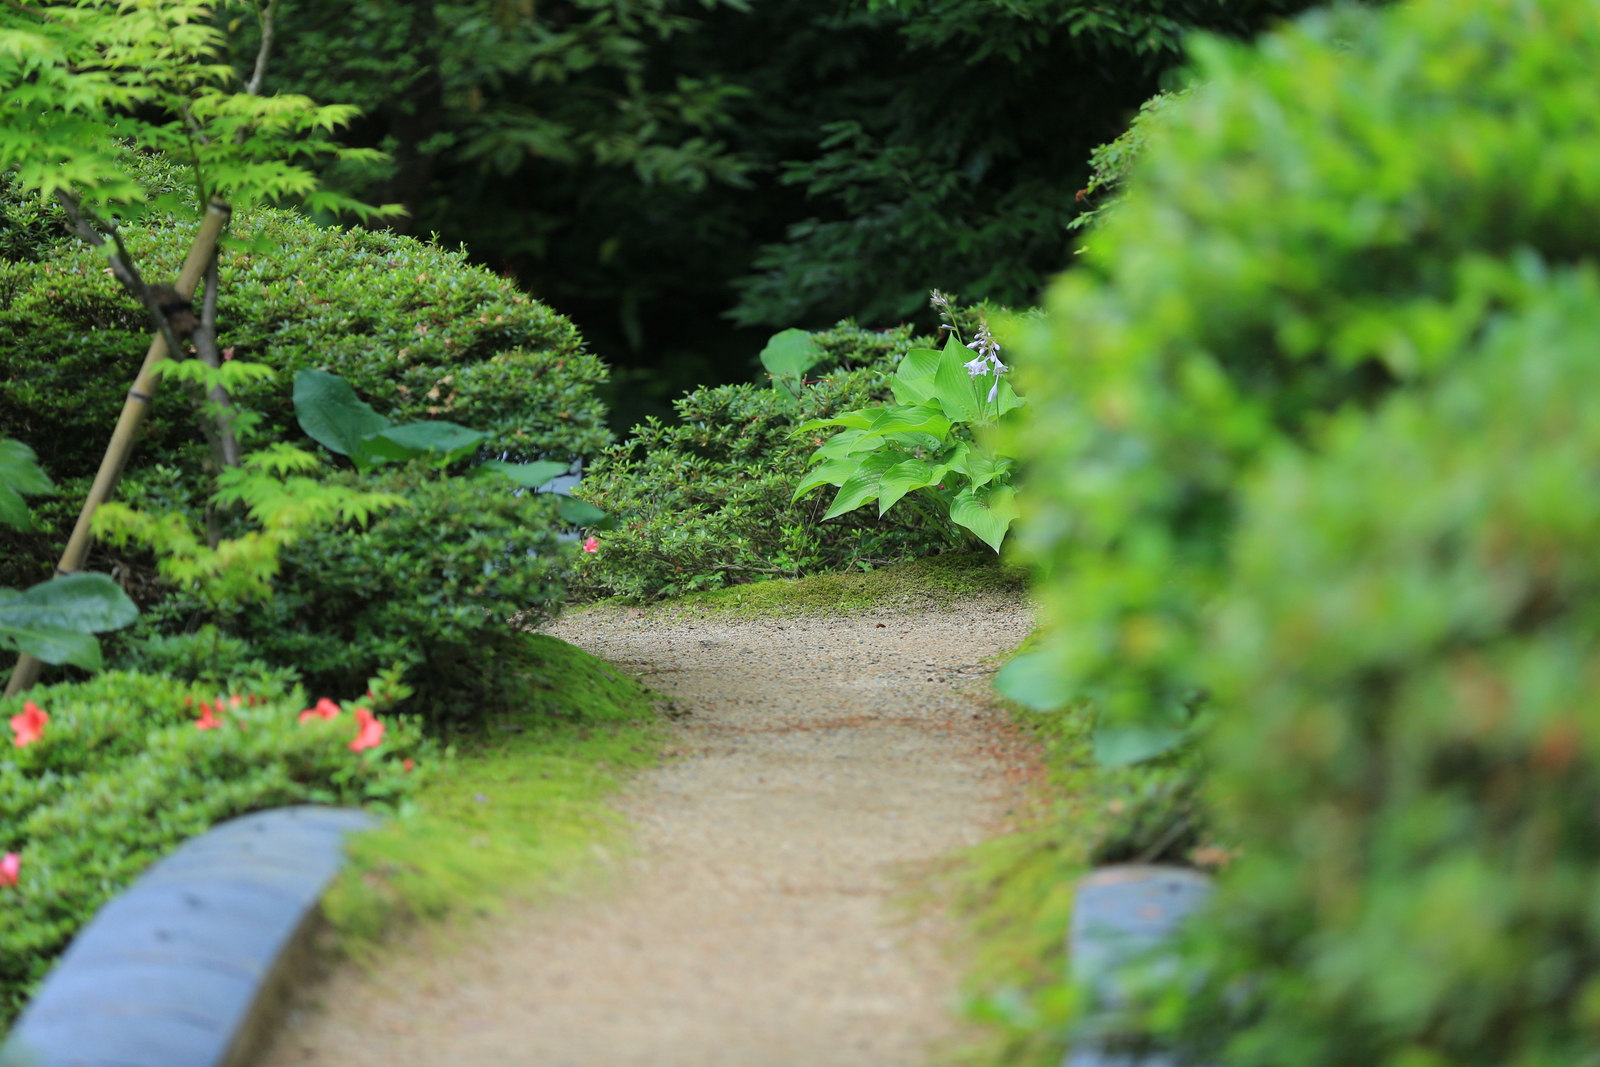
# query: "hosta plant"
927,450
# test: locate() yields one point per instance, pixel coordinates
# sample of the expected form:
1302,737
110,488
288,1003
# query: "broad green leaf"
902,478
832,472
908,418
80,603
53,644
578,512
987,512
954,461
1118,746
917,392
910,440
919,364
1034,680
445,442
956,389
840,444
855,420
333,416
862,486
1008,400
19,473
788,356
527,475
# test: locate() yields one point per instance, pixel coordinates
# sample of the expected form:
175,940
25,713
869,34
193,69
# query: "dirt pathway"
817,762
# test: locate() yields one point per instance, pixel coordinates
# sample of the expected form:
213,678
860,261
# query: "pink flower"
207,720
369,731
10,869
592,545
235,701
409,764
325,709
28,726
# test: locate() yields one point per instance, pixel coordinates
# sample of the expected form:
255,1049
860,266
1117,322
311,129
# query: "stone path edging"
186,966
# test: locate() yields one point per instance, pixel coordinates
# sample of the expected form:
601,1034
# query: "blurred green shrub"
1315,450
121,776
1406,652
416,329
706,502
431,586
1200,327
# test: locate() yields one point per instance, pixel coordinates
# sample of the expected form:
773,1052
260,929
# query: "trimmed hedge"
418,331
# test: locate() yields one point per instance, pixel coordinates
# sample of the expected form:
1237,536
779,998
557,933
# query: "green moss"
517,808
924,584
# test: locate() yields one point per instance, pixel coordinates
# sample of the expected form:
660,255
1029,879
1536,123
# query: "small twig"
253,86
89,226
1173,833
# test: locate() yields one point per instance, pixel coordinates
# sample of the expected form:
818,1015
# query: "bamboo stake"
26,672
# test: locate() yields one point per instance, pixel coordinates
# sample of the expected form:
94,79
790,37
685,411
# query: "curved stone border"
188,965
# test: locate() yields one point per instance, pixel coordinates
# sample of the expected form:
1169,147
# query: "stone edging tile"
188,966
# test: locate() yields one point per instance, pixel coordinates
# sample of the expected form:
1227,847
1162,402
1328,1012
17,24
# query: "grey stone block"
184,968
1123,916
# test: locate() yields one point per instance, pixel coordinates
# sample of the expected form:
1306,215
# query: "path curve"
816,763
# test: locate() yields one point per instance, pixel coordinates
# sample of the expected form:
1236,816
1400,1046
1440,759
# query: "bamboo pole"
26,672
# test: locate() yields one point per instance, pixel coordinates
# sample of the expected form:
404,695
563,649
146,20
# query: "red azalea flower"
28,726
409,764
10,869
592,545
207,720
325,709
369,732
235,700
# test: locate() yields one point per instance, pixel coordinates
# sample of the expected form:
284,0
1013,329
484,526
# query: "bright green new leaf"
987,512
329,411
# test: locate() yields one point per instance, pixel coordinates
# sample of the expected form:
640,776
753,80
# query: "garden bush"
1312,463
1408,755
120,775
430,586
1328,218
415,328
706,501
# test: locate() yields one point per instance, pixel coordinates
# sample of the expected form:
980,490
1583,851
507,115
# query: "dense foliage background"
681,178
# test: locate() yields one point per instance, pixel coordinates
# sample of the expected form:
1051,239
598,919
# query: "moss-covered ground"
514,809
934,582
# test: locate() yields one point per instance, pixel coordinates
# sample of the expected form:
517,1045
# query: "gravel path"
817,763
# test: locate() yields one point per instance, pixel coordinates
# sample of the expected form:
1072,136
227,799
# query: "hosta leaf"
911,418
902,478
831,472
956,390
987,512
862,486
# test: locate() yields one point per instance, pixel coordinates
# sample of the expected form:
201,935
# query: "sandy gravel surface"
818,764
